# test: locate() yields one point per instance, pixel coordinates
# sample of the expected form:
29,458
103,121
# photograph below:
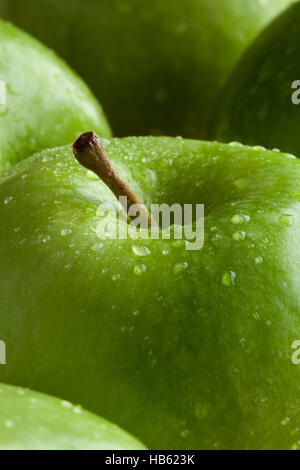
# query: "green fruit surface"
33,421
156,65
184,349
256,104
47,104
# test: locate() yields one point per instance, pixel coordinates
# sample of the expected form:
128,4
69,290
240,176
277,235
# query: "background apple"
46,103
156,65
256,105
185,349
34,421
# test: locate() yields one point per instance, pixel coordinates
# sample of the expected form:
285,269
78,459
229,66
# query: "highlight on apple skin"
34,421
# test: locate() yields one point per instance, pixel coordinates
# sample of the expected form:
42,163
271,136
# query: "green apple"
156,65
47,104
184,349
260,103
31,420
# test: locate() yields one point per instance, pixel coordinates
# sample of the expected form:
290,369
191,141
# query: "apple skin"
256,105
182,358
157,66
33,421
47,104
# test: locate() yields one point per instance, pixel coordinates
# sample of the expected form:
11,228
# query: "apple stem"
89,152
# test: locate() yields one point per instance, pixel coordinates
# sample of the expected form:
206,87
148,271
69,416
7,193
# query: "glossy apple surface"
47,104
156,65
33,421
184,349
256,105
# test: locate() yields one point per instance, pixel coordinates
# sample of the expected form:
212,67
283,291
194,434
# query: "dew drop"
239,219
97,246
258,260
228,278
92,176
8,200
239,236
116,277
77,409
287,220
241,183
235,144
285,421
141,250
65,232
178,243
66,404
9,424
180,267
139,269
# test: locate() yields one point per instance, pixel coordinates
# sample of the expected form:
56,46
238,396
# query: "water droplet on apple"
217,237
235,144
239,236
287,220
9,424
259,147
180,267
258,260
47,158
239,219
141,250
97,246
228,278
92,176
165,252
241,183
116,277
178,243
256,316
285,421
66,404
8,200
77,409
139,269
65,232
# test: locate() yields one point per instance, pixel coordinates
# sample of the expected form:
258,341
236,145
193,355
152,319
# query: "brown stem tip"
89,152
